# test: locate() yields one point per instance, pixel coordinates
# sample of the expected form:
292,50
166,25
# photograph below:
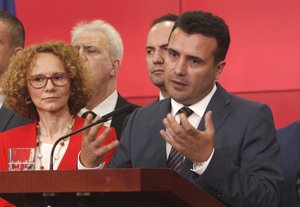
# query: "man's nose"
82,53
158,57
180,66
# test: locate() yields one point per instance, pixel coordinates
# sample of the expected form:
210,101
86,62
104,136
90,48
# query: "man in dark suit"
289,141
101,47
224,144
12,38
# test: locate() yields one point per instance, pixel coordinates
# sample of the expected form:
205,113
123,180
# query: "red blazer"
25,136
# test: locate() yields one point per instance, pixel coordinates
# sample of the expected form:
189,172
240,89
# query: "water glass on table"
21,159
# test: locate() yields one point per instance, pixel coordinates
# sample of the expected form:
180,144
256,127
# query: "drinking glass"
21,159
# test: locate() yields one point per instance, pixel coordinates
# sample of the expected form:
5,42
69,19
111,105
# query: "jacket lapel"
220,107
164,109
118,121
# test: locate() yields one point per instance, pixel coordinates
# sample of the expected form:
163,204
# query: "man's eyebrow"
199,59
83,44
149,47
88,46
164,45
172,50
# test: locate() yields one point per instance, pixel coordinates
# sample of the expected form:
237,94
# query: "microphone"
103,119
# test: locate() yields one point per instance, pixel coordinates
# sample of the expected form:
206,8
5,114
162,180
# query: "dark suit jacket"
245,169
289,140
9,119
119,121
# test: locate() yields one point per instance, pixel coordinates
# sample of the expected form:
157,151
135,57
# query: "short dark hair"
167,17
207,24
17,31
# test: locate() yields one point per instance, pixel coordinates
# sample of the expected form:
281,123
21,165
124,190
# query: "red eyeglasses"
57,79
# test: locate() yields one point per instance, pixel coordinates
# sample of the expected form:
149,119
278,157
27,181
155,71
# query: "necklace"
40,155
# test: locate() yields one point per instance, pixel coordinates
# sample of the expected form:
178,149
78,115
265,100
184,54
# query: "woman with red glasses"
49,83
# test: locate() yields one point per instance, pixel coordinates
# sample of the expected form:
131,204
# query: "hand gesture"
92,152
194,144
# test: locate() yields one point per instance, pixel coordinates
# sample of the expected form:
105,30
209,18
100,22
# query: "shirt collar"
2,98
161,96
106,106
198,108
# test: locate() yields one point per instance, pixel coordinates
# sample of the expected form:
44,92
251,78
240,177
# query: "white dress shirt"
105,107
161,96
194,119
2,98
46,149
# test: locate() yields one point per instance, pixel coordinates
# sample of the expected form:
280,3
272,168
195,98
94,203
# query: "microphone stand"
82,197
70,134
103,119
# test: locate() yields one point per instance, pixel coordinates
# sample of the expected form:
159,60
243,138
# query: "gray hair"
116,48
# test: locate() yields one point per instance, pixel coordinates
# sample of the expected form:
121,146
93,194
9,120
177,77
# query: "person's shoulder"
291,130
157,106
23,128
245,101
18,120
237,99
289,138
134,106
122,102
15,120
18,132
247,107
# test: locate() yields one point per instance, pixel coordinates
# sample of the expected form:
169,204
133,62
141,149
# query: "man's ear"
219,69
17,49
115,67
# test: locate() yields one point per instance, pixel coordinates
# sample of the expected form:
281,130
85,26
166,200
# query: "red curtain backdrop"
262,62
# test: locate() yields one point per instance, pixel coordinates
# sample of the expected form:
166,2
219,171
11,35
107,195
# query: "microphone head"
117,112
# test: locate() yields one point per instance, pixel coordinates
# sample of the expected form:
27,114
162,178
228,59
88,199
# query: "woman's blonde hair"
16,78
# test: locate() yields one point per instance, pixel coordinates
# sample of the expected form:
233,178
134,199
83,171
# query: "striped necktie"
175,159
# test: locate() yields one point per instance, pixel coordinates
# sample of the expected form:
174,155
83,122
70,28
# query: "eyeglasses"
40,80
